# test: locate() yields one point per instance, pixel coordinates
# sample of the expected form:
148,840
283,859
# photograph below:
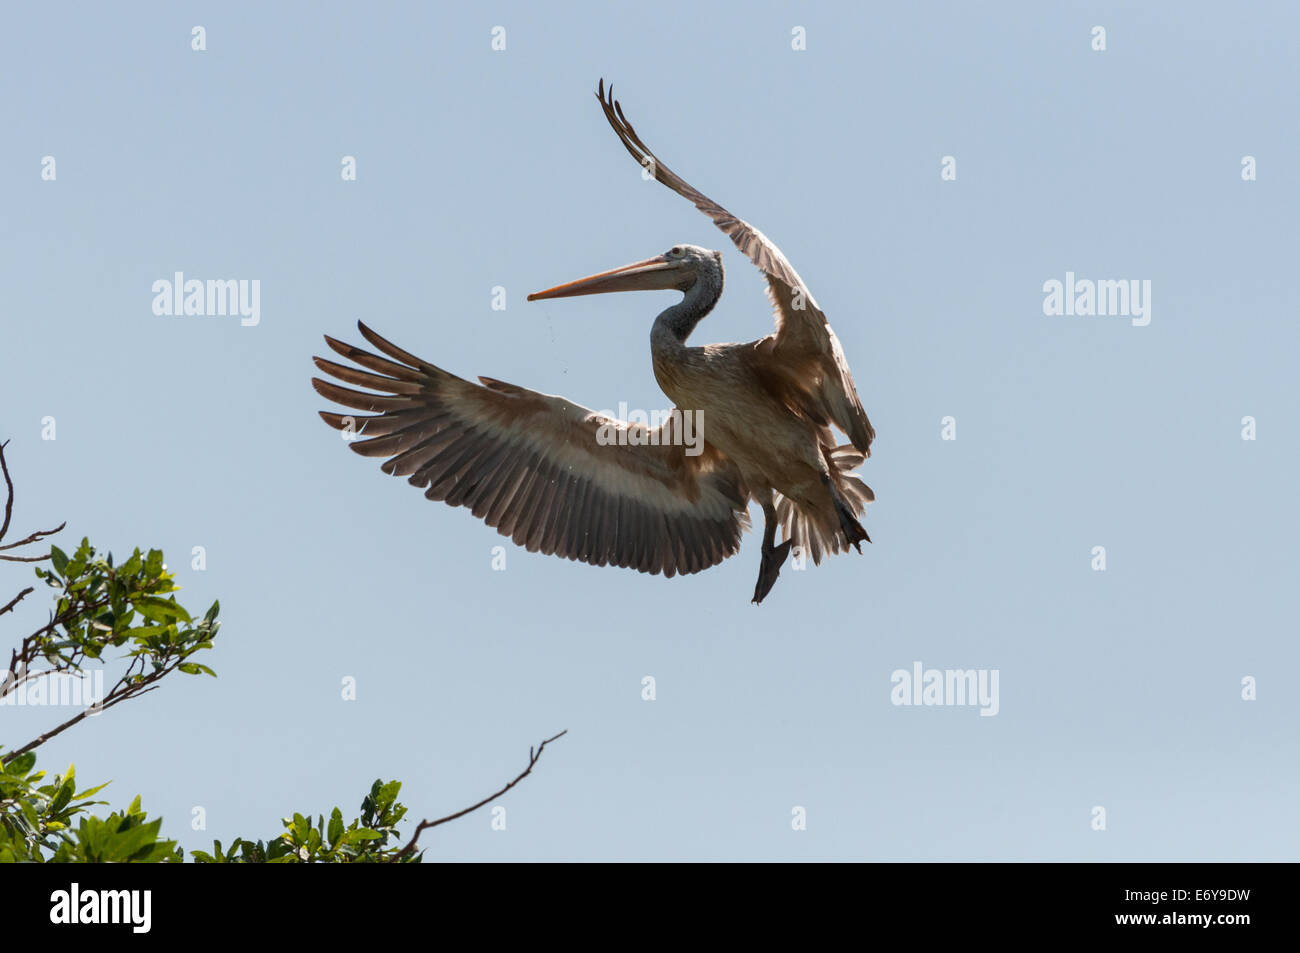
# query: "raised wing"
810,369
553,476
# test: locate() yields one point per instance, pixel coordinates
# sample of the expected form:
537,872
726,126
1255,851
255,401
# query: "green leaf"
21,765
156,609
93,791
153,564
130,843
148,631
388,793
29,812
59,559
64,795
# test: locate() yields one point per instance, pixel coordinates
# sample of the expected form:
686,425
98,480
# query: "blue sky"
478,168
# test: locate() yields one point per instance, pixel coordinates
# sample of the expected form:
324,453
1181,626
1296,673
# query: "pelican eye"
676,251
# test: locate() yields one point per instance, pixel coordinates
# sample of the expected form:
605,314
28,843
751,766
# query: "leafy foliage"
371,838
101,606
98,606
50,822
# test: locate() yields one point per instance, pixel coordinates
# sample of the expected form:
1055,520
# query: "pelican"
564,480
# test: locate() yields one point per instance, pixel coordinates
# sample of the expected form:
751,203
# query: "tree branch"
17,599
34,537
534,755
9,499
9,512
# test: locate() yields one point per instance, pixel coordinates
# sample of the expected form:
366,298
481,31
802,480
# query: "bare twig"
17,599
9,498
34,537
9,512
534,755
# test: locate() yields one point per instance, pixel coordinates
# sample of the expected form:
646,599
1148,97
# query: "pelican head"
680,268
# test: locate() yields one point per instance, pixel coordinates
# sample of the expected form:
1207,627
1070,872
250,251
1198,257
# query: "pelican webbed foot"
773,560
854,532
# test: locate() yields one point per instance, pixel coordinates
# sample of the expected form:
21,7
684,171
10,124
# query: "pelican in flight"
564,480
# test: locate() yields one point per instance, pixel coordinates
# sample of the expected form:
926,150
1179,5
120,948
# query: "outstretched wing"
812,372
555,477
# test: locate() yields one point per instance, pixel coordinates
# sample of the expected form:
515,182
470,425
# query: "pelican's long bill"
653,274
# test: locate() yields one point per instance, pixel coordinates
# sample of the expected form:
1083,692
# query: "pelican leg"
773,556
